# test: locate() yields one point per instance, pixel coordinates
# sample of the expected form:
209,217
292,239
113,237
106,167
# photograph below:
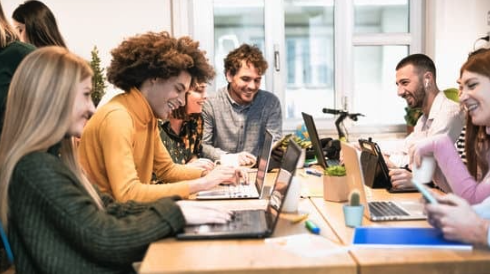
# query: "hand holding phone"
425,192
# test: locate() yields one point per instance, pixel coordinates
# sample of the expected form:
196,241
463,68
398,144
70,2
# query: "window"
321,53
235,23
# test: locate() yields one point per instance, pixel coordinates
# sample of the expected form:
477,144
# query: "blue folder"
399,237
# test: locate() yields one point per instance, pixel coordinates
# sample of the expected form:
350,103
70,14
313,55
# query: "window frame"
345,39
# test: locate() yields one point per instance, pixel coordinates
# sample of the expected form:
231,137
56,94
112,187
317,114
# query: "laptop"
315,142
252,223
245,190
376,172
378,210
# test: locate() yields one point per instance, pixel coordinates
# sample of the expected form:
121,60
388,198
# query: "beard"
418,97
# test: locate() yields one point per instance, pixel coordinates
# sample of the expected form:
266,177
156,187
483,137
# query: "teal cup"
353,215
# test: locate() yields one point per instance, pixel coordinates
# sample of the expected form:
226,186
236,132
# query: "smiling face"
166,95
21,30
83,108
196,98
410,86
245,84
475,97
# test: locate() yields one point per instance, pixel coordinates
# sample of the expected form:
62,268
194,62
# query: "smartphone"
425,192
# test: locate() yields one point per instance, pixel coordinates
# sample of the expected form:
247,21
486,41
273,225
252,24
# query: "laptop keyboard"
240,190
381,209
239,219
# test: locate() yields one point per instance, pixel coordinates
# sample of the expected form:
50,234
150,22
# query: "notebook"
252,223
374,168
315,142
245,190
377,210
404,237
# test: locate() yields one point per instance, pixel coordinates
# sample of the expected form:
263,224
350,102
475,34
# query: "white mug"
229,160
424,173
292,197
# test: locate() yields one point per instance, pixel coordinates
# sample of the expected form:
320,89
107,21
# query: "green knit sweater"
55,227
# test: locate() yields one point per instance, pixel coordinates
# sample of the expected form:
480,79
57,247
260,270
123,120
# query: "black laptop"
252,223
376,172
315,142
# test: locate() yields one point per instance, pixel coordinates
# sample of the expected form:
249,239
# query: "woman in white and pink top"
470,182
454,215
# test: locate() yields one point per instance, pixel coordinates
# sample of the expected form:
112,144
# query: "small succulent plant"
354,198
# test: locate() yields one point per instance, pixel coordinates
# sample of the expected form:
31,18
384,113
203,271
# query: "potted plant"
302,143
411,117
335,185
353,211
98,80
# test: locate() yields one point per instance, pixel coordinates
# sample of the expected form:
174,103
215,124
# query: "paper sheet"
308,245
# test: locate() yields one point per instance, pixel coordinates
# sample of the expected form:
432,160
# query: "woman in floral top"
182,133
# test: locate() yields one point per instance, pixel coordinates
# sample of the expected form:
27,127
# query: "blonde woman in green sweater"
56,221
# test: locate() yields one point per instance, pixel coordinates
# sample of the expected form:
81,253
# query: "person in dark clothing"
12,51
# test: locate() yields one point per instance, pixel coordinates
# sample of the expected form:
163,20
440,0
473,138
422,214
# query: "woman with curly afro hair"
121,147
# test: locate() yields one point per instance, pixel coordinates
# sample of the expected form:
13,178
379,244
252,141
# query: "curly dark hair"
249,54
157,55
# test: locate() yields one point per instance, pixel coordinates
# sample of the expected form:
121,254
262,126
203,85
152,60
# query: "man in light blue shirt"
236,116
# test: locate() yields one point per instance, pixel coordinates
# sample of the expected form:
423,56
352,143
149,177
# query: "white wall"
104,23
453,26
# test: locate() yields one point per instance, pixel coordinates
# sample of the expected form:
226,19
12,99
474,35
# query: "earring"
426,83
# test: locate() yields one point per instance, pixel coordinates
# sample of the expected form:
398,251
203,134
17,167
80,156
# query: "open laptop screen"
263,160
315,140
283,180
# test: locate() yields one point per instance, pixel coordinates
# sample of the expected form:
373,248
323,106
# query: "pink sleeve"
455,171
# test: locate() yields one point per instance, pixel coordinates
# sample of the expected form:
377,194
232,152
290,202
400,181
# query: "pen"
312,172
299,218
311,226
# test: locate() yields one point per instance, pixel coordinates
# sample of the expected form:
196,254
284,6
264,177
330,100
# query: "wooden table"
258,256
245,256
384,260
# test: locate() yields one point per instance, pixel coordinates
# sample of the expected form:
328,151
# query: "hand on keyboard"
219,175
242,175
203,163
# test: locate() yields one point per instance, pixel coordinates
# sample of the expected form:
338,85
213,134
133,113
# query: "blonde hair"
40,103
7,32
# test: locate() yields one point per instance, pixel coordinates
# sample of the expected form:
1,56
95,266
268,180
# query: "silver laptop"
377,210
252,223
245,190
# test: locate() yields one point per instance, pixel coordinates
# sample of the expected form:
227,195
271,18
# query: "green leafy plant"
301,142
98,80
412,115
354,198
335,171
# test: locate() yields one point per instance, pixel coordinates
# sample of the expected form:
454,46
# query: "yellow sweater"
121,146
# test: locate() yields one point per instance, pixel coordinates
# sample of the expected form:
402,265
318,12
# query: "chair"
453,94
6,245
